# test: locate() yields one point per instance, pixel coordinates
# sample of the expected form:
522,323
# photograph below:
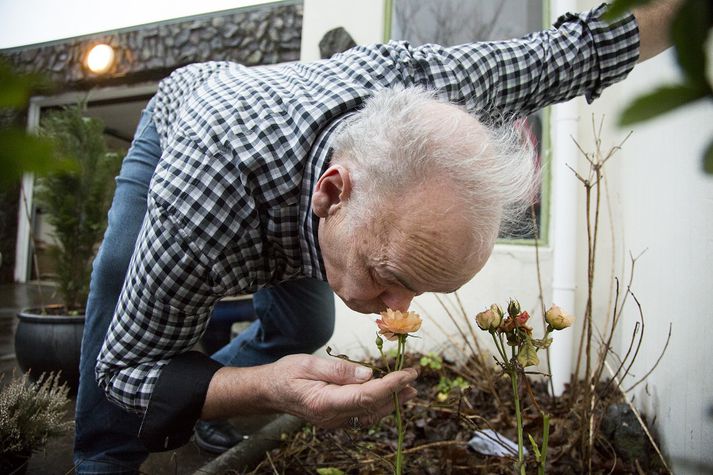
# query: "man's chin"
362,308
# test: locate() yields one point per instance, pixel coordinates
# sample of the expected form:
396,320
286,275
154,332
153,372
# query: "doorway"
119,108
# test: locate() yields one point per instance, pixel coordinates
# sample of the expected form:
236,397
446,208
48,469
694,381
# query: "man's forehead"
427,262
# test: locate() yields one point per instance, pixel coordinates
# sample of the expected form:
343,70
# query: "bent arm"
581,55
145,364
654,22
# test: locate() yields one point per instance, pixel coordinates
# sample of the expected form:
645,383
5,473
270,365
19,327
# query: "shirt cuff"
177,401
616,46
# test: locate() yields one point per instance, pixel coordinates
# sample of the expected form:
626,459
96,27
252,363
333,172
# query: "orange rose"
394,322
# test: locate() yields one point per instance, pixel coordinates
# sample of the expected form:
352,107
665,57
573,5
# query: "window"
452,22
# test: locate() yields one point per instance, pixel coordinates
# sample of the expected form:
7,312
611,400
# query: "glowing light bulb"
100,59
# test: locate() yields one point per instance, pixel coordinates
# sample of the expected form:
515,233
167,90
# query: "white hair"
404,137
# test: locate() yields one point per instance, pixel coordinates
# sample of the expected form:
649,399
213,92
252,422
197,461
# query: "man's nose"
398,300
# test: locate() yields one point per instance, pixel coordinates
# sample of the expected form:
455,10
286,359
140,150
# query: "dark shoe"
216,436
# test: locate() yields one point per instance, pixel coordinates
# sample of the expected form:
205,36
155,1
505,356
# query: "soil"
437,432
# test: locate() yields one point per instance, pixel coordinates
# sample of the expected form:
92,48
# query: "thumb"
339,372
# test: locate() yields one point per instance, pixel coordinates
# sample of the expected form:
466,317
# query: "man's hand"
326,393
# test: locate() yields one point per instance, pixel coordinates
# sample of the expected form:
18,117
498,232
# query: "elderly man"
345,174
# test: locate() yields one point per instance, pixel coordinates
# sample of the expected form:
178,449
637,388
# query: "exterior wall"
266,34
363,20
662,204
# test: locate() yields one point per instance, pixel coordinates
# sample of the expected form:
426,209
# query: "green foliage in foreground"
689,32
19,151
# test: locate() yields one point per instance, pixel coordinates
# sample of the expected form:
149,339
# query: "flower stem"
498,345
400,430
398,365
545,441
518,414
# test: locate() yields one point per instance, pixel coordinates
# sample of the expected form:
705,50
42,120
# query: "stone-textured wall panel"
267,34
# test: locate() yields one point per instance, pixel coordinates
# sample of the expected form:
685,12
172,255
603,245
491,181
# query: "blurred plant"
431,360
31,413
21,152
446,385
396,326
689,32
76,201
512,330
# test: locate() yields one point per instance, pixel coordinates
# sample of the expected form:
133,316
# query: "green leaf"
689,31
15,88
620,7
329,471
527,356
535,448
22,153
662,100
708,159
543,343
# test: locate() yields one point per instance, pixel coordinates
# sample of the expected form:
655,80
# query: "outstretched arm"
654,22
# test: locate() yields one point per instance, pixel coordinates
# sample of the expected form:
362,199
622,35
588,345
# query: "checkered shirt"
229,204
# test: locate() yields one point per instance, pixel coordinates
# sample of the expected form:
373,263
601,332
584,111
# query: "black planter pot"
49,343
15,463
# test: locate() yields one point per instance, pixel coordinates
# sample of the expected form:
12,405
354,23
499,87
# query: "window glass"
452,22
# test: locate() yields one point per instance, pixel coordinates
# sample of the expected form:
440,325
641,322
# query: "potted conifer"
75,202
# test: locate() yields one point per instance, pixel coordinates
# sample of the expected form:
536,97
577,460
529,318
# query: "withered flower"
395,322
489,320
557,318
519,321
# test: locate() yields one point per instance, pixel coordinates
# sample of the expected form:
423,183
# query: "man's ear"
332,189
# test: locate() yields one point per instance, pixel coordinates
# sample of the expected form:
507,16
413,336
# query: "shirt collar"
317,162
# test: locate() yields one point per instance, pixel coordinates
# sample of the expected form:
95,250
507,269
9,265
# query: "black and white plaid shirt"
229,204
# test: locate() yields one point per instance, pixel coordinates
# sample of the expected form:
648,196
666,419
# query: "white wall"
363,20
663,204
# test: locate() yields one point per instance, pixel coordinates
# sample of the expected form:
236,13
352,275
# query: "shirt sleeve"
580,55
145,364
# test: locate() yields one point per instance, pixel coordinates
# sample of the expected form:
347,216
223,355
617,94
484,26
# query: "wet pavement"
56,457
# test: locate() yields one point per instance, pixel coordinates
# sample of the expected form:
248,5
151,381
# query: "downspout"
564,224
25,209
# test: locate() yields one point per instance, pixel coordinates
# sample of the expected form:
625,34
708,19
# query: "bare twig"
641,423
658,360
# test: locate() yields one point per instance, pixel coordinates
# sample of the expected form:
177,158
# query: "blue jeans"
293,317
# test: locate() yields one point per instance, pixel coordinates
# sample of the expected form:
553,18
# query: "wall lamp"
100,58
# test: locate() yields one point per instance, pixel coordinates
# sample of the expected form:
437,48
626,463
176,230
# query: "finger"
366,420
338,371
354,399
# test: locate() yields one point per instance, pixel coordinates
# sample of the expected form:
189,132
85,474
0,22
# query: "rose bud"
557,318
497,309
488,320
513,308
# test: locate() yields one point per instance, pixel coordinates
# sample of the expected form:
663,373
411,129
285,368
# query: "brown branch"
623,360
641,423
641,337
663,351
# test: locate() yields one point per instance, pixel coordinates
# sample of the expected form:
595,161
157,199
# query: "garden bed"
440,422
